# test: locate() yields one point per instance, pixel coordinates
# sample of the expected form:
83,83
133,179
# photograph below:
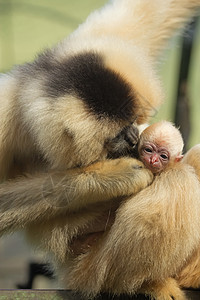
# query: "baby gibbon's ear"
178,158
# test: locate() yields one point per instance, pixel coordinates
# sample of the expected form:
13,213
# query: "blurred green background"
29,26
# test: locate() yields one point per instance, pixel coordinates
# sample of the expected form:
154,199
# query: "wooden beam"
69,295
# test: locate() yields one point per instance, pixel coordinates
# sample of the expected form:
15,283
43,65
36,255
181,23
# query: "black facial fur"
85,75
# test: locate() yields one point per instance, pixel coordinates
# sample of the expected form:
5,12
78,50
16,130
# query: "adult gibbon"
60,113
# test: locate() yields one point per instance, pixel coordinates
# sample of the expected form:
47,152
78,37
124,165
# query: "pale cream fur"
151,239
163,134
147,24
128,34
190,274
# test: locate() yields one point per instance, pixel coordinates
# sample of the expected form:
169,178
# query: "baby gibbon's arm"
27,200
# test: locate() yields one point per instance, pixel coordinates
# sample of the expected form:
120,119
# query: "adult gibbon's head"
100,79
93,92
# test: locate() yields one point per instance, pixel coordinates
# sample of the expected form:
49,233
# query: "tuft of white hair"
165,134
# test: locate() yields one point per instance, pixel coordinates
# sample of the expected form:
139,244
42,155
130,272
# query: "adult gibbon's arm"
27,200
192,158
189,276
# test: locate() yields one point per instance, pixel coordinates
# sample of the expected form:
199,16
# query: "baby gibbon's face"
154,157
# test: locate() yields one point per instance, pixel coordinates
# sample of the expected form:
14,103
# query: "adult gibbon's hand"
124,143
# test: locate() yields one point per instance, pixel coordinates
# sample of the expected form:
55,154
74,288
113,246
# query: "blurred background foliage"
29,26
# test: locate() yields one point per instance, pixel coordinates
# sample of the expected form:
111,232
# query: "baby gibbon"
160,144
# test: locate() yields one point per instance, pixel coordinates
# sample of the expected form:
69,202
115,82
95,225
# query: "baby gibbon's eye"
148,150
164,156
